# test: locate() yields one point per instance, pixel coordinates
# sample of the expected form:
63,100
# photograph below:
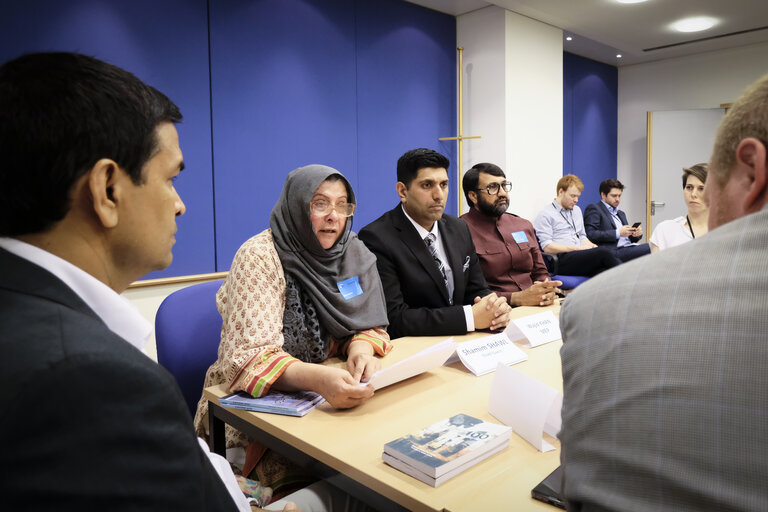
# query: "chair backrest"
187,330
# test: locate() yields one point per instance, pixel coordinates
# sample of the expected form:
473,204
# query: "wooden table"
345,446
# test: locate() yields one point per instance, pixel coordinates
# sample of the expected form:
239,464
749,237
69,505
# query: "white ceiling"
603,28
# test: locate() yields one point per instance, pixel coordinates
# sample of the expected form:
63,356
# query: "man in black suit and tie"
427,262
88,159
607,226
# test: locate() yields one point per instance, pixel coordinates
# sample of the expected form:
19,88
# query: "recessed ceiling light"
569,38
618,55
696,24
630,1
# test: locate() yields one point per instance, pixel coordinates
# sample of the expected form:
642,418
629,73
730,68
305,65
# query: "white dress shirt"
116,311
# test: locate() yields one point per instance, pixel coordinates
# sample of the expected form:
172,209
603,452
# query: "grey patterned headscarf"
318,270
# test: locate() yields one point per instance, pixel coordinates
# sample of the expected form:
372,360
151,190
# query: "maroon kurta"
508,265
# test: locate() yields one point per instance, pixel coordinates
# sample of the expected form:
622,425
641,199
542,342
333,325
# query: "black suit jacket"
89,422
599,225
417,300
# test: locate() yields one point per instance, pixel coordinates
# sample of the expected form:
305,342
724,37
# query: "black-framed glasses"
320,208
494,188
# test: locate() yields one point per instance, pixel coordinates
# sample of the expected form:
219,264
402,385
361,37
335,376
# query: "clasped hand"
491,311
541,293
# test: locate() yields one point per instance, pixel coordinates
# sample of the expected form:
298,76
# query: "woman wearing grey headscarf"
298,293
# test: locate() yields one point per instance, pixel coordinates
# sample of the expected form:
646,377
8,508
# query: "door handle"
654,204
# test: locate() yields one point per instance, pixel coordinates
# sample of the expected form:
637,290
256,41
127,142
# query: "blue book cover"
448,444
296,403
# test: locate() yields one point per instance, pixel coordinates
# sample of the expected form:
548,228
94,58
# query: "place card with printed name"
538,329
481,355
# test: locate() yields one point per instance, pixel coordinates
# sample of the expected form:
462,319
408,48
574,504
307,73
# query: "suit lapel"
607,214
448,235
418,248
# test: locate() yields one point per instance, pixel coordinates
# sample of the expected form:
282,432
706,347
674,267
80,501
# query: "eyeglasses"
494,188
321,208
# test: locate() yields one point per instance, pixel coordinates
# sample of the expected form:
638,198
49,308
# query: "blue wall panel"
163,43
347,83
406,65
266,86
590,120
283,84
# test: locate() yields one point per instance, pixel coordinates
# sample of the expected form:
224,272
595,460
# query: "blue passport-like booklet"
296,403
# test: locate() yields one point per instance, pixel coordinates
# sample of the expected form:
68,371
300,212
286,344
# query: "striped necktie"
430,241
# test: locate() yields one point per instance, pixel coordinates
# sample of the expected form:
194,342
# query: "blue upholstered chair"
187,330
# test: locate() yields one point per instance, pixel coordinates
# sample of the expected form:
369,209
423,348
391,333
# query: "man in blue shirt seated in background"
560,230
607,226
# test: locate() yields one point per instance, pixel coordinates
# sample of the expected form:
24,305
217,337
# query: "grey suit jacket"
88,422
665,378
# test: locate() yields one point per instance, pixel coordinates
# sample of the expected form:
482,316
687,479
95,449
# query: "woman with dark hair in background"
670,233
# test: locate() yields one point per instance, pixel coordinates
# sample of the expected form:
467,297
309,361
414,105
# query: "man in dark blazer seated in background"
431,275
607,226
88,157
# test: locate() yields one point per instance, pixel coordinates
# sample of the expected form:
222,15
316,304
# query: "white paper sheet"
526,405
420,362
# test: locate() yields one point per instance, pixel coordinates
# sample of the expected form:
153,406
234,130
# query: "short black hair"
409,164
60,113
609,184
472,177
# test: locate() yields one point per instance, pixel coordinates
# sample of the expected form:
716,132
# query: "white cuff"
470,318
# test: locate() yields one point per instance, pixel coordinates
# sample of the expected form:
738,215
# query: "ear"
402,191
472,196
751,159
103,182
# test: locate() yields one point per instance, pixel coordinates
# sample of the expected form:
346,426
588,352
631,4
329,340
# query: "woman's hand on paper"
361,361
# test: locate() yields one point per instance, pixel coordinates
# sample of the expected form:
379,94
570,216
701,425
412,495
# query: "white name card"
538,329
481,355
525,404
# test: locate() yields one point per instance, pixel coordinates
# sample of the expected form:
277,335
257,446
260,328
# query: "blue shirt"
556,224
623,241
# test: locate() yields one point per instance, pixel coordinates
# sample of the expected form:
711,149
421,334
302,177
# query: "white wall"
699,81
513,98
534,113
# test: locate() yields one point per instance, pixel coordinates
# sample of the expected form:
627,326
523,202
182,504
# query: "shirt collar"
558,206
422,232
614,211
116,311
473,213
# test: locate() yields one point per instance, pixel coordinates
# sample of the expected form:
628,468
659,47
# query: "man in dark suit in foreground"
427,262
607,226
664,360
88,157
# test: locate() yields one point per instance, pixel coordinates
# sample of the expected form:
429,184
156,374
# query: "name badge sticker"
520,237
350,288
